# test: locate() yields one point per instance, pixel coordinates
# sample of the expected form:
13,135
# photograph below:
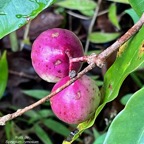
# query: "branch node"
91,58
99,62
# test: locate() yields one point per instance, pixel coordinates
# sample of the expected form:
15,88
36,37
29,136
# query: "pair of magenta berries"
51,54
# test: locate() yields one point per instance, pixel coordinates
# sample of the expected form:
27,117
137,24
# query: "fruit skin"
49,54
76,103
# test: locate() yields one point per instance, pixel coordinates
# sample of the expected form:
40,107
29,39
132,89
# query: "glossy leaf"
38,94
100,139
138,6
15,13
113,15
42,134
120,1
129,58
125,99
128,126
56,127
100,37
3,73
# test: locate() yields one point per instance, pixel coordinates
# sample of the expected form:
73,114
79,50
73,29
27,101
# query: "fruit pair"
51,54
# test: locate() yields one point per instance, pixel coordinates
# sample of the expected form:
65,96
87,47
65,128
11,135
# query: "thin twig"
77,15
27,28
92,24
22,74
94,60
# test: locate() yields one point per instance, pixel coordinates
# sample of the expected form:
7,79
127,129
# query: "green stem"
14,41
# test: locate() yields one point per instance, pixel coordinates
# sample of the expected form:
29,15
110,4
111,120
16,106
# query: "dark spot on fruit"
64,113
58,77
92,100
78,95
82,107
91,112
59,71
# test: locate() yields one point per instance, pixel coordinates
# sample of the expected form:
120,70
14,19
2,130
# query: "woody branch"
93,60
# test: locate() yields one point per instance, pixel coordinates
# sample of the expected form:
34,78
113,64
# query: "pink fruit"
76,103
51,52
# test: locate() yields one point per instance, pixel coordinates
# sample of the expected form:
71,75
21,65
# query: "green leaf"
132,14
129,58
39,115
88,13
32,114
3,73
38,94
100,37
96,134
80,5
125,99
113,15
8,130
138,6
120,1
42,134
15,13
128,126
56,127
45,113
100,139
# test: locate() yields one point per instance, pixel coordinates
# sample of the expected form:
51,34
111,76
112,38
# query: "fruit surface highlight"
51,52
76,103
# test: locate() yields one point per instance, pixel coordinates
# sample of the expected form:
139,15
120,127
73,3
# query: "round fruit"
76,103
51,52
